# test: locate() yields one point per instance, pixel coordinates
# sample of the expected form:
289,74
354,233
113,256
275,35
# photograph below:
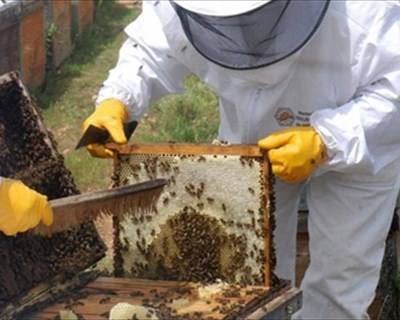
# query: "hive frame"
246,151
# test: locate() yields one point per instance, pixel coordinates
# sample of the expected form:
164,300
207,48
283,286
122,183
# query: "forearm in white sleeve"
145,70
363,135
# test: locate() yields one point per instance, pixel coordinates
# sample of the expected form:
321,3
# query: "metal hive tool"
212,221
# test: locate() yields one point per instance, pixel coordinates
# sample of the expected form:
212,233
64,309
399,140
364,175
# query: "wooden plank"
267,224
188,149
282,307
110,283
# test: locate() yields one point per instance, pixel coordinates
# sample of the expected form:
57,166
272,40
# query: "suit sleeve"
363,135
146,69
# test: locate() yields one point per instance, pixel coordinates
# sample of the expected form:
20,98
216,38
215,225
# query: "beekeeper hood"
249,34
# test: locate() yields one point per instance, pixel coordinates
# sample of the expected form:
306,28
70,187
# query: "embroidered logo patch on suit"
284,116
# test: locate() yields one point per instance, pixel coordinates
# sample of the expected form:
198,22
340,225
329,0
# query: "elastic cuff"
124,97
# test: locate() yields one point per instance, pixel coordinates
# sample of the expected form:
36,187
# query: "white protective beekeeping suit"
344,82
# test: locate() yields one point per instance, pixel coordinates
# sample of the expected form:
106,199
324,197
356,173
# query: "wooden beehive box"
32,42
9,23
59,20
82,15
213,221
204,251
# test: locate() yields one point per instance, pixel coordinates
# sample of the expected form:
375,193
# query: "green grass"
191,117
67,98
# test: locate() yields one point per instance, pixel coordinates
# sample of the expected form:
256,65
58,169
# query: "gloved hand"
110,115
21,208
294,152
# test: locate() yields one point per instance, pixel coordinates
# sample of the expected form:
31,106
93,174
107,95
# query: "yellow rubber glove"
110,115
294,152
22,208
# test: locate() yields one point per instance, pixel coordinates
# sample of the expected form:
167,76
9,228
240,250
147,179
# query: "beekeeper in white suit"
317,84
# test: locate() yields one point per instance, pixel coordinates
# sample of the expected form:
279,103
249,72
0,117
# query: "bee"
224,207
210,200
200,205
250,163
153,232
173,194
104,300
166,201
251,190
138,232
187,189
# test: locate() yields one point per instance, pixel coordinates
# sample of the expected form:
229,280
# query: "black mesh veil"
257,38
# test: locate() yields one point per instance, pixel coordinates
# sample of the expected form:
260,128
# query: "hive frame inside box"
36,270
133,245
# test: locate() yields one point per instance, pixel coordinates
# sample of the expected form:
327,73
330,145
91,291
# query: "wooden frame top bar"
187,148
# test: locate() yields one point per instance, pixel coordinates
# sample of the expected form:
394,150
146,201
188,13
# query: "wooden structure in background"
82,15
9,39
59,23
36,34
32,43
